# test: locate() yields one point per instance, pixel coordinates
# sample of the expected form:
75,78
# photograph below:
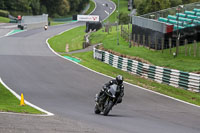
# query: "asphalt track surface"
66,89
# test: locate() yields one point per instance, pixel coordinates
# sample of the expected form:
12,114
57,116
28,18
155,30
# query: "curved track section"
68,90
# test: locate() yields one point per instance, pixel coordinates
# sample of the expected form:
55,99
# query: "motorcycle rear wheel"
96,110
108,108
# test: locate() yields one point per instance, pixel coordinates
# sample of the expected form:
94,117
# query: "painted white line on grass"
124,82
26,102
112,11
94,8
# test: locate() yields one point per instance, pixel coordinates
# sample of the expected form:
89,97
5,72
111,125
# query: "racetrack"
67,89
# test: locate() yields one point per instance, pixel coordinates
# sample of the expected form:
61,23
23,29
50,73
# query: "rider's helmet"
119,79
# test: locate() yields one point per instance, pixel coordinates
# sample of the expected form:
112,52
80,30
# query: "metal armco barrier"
176,78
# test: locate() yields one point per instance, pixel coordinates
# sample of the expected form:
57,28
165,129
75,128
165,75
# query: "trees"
175,2
146,6
52,7
152,5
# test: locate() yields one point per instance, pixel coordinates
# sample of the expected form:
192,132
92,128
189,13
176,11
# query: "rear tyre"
96,110
108,108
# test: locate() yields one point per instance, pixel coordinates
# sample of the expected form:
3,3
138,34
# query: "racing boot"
97,98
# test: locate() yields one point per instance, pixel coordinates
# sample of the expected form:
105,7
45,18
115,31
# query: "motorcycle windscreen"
113,89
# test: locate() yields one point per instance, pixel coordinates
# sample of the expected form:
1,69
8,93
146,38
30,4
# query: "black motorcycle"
107,100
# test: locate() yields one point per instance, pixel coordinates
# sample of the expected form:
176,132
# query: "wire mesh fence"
32,22
183,46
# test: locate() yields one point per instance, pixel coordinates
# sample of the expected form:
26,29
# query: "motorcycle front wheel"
108,108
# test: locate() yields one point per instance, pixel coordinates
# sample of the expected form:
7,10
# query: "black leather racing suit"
107,85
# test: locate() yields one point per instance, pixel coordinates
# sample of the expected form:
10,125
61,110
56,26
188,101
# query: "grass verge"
88,61
181,62
4,20
73,38
123,7
56,23
92,6
9,103
110,42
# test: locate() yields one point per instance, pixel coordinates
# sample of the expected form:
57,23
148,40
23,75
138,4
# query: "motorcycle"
45,27
107,100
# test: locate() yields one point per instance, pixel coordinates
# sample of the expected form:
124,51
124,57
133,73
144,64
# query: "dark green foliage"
4,13
124,18
35,7
147,6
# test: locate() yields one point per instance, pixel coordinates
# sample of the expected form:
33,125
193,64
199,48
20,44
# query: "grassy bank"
123,7
4,20
73,38
88,61
92,6
110,42
181,62
9,103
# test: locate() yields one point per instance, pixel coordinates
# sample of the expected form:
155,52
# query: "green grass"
9,103
123,7
181,62
74,38
4,20
92,6
56,23
88,61
110,42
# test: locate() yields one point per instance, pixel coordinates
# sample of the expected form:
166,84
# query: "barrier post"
170,45
134,39
185,43
149,42
195,48
177,47
138,40
143,40
162,44
155,43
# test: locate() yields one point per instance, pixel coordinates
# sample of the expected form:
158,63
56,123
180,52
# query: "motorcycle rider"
119,82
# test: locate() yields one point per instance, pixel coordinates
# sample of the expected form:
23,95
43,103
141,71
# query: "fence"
185,47
149,24
33,22
176,78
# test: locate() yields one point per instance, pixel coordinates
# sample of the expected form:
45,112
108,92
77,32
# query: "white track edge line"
18,97
94,8
125,81
112,77
112,11
26,102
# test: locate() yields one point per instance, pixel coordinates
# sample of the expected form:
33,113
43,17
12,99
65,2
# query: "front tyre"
96,110
108,108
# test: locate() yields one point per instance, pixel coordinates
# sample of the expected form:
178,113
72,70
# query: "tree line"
54,8
147,6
